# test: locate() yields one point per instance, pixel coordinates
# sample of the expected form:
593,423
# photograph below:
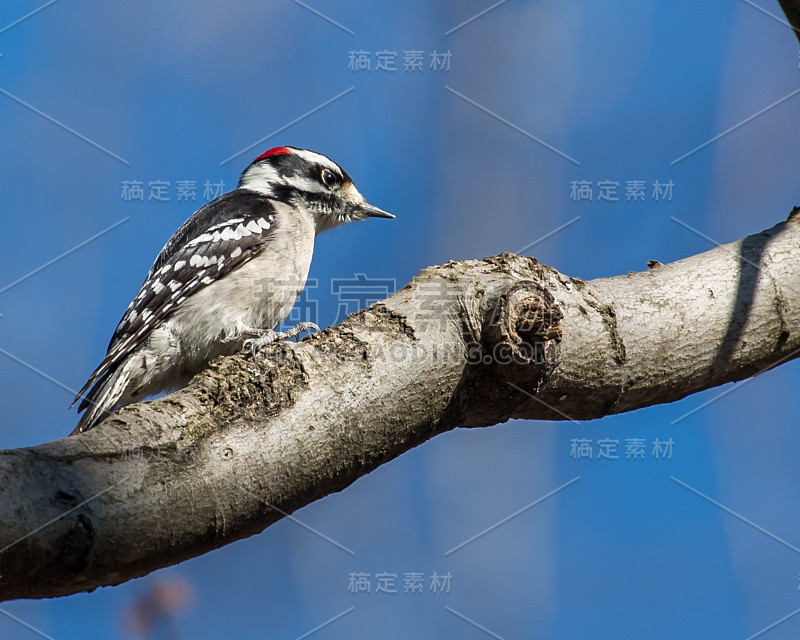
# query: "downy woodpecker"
225,280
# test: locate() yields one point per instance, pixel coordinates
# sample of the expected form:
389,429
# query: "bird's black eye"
329,179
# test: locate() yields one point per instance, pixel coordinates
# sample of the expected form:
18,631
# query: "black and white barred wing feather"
216,240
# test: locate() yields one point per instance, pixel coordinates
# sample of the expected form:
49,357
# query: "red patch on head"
277,151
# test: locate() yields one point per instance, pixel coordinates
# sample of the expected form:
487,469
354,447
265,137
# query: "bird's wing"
216,240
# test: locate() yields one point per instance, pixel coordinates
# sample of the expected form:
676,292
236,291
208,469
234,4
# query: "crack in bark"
609,319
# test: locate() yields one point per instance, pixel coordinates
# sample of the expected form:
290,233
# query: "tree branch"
465,344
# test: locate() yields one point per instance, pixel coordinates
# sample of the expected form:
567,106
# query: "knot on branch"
524,327
518,349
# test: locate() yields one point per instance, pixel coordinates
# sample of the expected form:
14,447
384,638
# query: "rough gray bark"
465,344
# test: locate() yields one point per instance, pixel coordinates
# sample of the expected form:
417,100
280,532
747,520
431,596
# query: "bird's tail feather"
102,399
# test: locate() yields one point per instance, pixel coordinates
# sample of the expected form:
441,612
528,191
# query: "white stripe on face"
317,158
260,178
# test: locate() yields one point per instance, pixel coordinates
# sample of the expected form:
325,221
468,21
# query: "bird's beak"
368,211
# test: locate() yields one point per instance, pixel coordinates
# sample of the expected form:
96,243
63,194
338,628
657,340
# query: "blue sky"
475,155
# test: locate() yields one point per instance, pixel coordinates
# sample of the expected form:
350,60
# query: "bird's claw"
269,336
299,328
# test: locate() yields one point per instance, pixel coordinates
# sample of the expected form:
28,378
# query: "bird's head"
310,181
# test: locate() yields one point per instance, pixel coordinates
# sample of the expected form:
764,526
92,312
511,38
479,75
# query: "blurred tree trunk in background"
792,10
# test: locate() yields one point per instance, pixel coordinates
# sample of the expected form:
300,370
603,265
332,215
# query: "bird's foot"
268,336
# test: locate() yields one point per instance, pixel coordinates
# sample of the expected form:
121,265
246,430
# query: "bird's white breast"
257,295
